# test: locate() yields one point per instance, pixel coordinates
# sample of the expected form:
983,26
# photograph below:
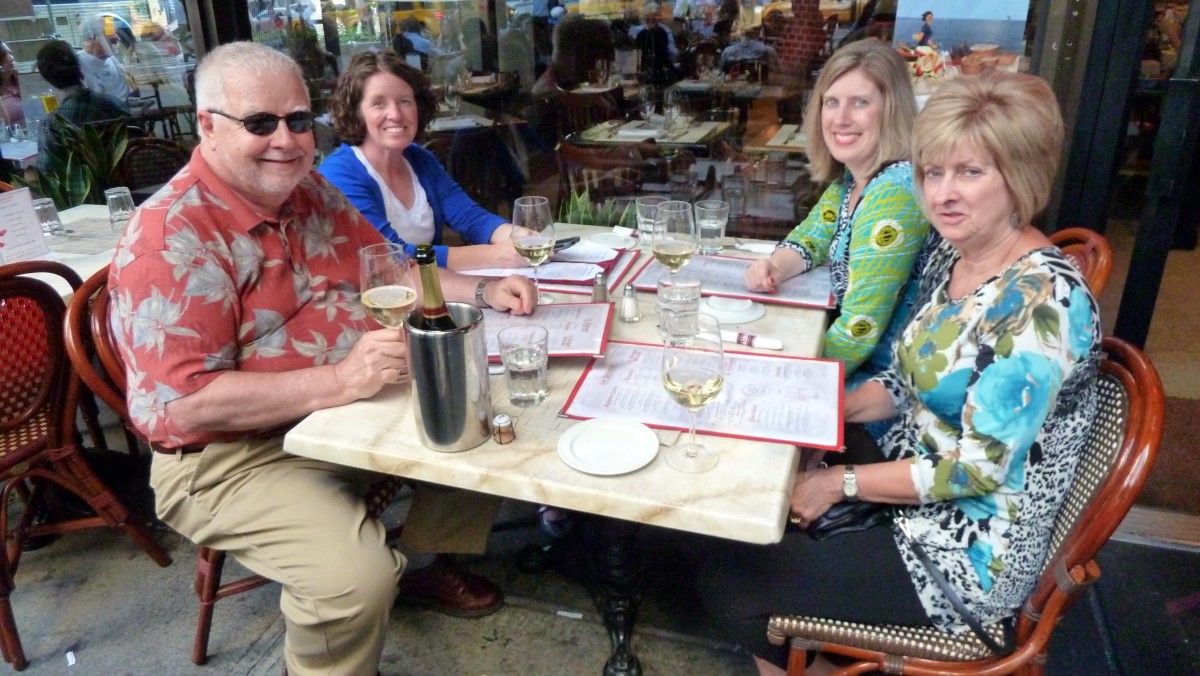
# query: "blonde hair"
884,67
1013,117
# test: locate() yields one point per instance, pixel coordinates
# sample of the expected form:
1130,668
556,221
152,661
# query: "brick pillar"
803,39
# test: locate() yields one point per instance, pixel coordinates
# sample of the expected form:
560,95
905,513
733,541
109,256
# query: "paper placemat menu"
768,398
725,276
575,329
89,236
789,135
575,265
21,237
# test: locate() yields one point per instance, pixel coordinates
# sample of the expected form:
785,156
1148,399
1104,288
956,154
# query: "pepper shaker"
630,311
599,289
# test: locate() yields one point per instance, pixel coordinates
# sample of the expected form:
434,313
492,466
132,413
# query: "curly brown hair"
348,95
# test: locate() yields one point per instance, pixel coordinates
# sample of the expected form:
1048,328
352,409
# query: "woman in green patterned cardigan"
867,226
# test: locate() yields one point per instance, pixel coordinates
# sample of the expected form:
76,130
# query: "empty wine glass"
386,288
600,72
675,237
533,213
646,105
455,84
693,373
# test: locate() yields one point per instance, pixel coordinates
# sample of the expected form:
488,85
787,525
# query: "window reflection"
722,85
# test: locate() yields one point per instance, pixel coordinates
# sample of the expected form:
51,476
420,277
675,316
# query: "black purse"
852,516
849,517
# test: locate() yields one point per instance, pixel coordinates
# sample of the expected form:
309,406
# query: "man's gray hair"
240,60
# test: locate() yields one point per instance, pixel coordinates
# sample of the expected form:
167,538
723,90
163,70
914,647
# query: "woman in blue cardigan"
381,105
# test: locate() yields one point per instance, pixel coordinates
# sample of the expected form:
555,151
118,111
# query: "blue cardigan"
450,203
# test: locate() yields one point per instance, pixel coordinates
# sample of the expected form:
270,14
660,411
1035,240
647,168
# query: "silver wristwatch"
479,300
849,484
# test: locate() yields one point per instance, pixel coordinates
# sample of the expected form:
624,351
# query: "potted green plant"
579,209
84,164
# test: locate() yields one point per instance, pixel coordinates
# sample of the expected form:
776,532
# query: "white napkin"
446,123
483,79
623,231
757,247
639,132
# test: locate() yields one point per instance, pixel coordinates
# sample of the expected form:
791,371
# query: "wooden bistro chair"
478,161
1120,451
1090,252
604,173
151,162
578,111
39,397
87,325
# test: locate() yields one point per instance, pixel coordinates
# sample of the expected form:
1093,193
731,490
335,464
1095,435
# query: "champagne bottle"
434,315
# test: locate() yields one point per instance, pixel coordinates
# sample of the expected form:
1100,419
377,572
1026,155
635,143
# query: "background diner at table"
78,105
214,398
994,387
380,107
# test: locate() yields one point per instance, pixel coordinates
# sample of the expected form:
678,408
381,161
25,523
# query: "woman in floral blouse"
867,226
992,382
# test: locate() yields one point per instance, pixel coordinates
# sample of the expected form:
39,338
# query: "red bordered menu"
576,329
724,276
614,276
781,399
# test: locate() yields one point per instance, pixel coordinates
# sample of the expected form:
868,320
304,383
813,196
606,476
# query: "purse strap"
999,649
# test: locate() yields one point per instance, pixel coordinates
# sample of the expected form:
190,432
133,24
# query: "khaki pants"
303,523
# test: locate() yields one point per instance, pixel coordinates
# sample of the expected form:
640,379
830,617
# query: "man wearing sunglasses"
236,311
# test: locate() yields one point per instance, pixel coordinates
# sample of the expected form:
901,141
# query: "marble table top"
87,249
744,498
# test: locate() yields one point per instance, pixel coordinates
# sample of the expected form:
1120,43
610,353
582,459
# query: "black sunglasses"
265,124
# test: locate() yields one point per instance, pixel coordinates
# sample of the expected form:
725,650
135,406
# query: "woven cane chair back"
1120,451
34,369
151,161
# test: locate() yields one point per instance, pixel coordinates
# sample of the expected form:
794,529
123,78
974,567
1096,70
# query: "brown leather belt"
192,448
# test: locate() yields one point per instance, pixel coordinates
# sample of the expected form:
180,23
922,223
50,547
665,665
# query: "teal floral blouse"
995,394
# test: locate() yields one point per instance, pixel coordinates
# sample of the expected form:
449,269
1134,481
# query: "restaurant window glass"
724,98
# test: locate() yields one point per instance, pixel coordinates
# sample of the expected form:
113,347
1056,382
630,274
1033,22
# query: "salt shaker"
630,312
599,289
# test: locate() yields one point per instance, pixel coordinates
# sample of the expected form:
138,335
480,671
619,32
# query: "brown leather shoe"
446,588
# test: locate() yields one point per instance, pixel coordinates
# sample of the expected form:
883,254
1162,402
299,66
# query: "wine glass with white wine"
386,288
532,213
675,236
693,372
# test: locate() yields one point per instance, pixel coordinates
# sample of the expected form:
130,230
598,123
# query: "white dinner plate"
733,310
607,446
612,240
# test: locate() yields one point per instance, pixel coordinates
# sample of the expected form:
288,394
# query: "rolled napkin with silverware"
751,340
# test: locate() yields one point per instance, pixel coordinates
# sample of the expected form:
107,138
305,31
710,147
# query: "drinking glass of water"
47,215
523,351
647,213
711,218
120,207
